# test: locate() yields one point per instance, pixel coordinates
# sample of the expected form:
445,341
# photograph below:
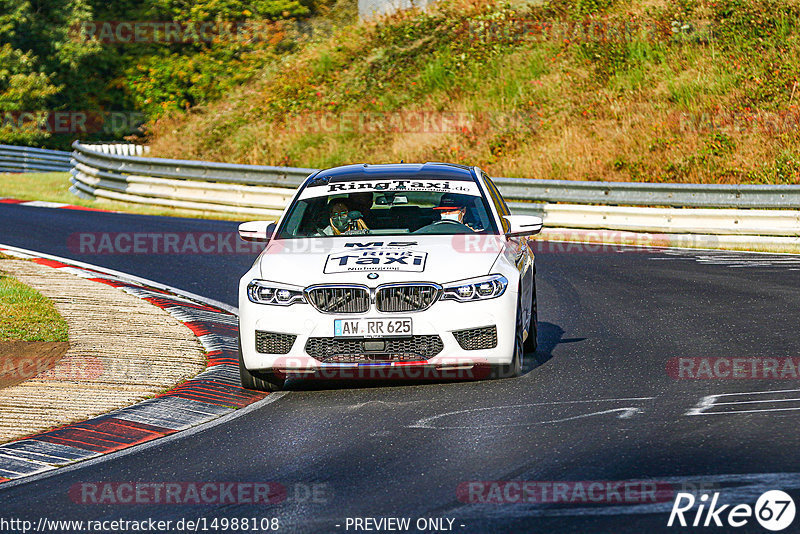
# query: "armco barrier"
651,194
109,171
109,159
25,159
670,220
248,189
122,172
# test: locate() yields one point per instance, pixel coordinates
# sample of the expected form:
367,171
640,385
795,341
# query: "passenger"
342,220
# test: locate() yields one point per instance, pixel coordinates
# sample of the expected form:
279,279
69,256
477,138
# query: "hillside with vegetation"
639,90
646,90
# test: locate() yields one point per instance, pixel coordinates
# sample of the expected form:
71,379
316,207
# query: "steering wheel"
452,227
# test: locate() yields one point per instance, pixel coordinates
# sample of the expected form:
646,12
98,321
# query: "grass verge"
54,187
26,314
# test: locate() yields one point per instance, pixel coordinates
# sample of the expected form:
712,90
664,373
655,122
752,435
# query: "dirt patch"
23,360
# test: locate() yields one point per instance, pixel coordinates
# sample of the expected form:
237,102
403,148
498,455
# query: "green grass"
54,187
438,75
27,315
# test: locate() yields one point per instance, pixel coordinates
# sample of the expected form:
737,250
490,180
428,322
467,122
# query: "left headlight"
482,288
264,292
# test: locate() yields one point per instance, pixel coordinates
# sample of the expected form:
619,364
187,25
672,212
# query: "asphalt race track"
596,402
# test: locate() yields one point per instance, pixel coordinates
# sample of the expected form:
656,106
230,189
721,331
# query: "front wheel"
259,380
513,369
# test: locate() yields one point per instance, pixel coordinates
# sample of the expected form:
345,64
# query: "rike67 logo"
774,511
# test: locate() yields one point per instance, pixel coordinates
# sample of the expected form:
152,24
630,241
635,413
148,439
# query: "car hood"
359,259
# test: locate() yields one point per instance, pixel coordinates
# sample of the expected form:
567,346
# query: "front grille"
477,338
339,299
274,343
333,350
406,298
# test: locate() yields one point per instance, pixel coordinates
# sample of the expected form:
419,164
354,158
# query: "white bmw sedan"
388,266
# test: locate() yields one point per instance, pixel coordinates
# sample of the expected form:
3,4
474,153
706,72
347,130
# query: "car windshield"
388,208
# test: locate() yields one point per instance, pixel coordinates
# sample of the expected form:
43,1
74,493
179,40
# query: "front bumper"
441,319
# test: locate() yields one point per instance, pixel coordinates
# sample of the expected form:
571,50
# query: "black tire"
531,343
259,381
513,369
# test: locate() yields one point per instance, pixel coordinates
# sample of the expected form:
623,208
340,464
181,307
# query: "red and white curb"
45,204
213,393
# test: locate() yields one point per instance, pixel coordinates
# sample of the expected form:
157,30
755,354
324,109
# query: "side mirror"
521,225
257,230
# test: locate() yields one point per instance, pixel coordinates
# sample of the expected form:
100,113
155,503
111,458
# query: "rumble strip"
212,394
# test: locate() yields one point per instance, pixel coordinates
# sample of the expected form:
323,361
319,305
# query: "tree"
41,65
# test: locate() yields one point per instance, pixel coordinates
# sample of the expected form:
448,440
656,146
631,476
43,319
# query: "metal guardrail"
730,222
179,169
108,160
106,171
25,159
114,172
651,194
120,149
121,172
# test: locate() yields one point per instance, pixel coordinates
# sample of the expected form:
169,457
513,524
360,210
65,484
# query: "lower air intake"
274,343
335,350
477,338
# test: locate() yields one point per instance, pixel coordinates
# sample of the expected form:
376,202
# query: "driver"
452,207
342,220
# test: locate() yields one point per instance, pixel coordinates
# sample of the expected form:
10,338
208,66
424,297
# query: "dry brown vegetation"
671,90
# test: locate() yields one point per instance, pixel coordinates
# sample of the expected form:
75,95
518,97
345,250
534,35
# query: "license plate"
372,327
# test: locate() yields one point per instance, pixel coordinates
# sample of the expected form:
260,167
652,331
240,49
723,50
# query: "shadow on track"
549,337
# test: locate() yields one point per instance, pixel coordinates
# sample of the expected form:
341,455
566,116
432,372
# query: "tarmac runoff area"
122,349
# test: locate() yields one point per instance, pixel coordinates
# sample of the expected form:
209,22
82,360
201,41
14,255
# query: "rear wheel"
257,380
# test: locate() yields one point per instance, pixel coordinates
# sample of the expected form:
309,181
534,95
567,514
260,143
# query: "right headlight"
263,292
482,288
